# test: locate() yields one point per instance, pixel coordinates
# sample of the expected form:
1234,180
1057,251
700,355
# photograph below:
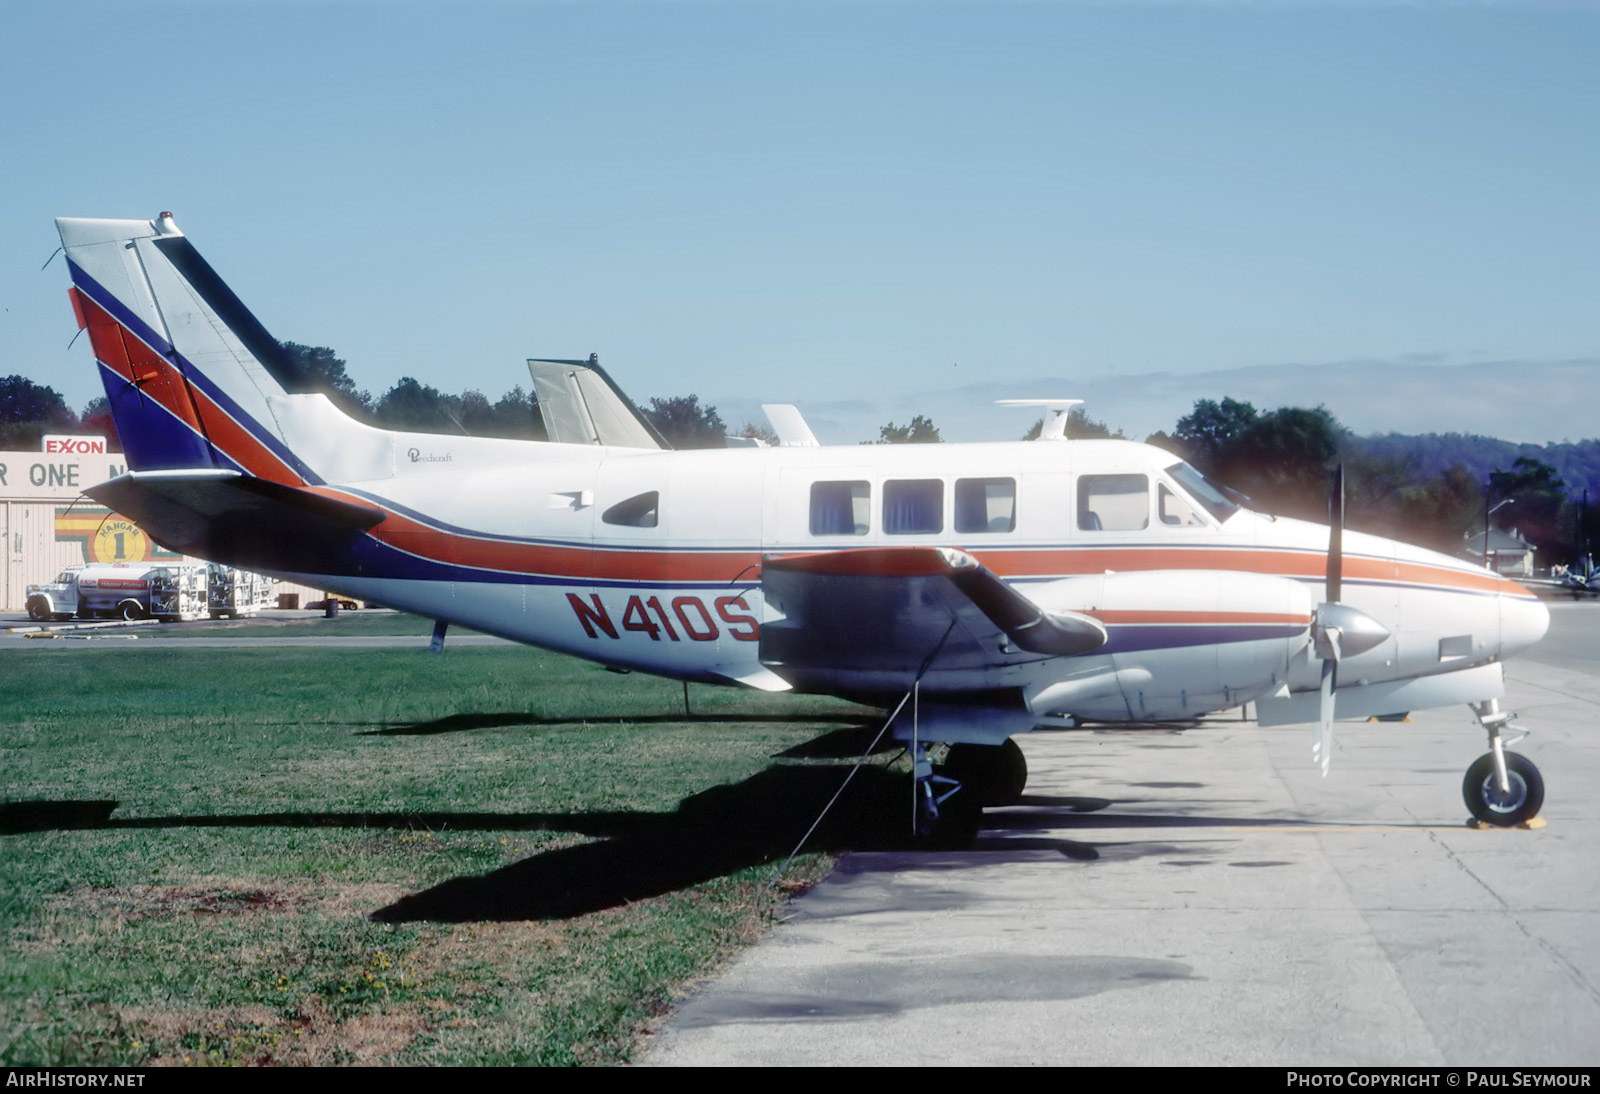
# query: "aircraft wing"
228,517
877,611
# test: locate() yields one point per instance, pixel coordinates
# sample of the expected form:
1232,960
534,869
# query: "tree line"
1282,459
1431,490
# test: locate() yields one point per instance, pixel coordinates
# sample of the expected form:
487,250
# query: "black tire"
129,610
995,774
38,611
1483,796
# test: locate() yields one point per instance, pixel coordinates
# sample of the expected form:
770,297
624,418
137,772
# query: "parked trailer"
233,593
179,591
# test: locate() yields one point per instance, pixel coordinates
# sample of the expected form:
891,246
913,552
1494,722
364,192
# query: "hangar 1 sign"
118,539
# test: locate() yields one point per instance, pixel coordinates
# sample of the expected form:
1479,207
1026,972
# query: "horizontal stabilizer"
791,428
227,517
581,405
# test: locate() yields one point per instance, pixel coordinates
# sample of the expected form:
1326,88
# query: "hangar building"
48,524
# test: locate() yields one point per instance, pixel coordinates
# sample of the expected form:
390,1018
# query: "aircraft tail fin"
193,379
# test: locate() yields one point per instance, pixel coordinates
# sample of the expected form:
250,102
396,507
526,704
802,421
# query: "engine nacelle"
1181,642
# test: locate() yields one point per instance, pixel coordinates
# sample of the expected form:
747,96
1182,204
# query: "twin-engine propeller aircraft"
999,587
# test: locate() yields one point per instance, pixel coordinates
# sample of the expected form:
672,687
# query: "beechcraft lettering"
1006,586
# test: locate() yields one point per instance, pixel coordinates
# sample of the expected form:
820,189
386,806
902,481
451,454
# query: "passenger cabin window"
639,511
840,508
913,507
1113,503
1174,511
986,505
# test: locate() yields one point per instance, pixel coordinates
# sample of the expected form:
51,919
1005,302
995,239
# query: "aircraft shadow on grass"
461,723
636,855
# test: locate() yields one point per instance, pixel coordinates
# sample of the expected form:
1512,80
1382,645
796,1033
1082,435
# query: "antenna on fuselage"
1054,428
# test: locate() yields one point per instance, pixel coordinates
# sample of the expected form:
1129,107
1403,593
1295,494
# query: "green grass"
347,624
331,856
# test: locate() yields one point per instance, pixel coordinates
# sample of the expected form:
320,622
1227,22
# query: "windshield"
1202,491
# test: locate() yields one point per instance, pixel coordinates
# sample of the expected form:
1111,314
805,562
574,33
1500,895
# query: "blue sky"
810,203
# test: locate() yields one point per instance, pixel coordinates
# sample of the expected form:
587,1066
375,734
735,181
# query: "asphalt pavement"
1202,895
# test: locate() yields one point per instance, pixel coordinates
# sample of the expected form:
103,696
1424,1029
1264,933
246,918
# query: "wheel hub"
1511,800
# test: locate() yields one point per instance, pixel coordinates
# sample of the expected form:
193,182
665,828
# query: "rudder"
192,377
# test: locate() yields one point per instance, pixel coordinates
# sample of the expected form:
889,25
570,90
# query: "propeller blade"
1336,535
1322,732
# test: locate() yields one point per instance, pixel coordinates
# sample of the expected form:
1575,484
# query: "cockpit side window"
1113,503
1200,489
1174,511
840,508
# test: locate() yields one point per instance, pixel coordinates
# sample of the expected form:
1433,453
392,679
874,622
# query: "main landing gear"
1501,788
950,797
997,773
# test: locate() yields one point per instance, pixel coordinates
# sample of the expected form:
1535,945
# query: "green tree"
28,411
1080,427
921,430
1283,459
1537,498
687,424
516,415
96,418
1162,439
1208,435
318,368
762,433
414,405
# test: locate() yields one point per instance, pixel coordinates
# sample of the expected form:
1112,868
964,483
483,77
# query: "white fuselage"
545,550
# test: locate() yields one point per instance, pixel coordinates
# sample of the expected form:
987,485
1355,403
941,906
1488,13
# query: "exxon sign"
75,446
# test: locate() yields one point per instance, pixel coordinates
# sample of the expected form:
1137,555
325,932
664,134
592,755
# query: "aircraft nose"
1523,621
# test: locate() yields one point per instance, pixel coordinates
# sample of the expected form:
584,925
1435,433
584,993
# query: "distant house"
1509,553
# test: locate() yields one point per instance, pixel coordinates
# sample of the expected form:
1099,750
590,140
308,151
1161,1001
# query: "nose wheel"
1520,800
1502,788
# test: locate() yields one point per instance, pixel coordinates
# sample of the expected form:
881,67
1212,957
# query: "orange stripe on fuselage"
1167,617
1293,564
424,540
621,564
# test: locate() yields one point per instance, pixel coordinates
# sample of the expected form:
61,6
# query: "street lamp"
1486,512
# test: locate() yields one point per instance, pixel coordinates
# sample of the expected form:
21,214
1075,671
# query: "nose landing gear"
947,813
1502,788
